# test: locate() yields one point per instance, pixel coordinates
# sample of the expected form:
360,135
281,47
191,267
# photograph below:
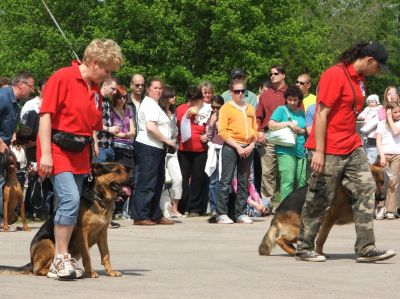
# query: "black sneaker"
375,255
114,224
309,256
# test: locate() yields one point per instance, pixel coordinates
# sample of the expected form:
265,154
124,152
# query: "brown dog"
13,196
95,214
285,226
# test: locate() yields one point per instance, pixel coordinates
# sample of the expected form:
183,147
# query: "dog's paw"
114,273
6,229
92,274
26,229
263,250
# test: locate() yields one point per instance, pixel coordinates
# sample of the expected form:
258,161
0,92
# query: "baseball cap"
237,72
379,53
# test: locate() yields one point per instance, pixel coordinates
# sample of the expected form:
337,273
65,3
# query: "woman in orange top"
238,129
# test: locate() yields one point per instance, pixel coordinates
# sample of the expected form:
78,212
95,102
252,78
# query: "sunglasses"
274,74
122,98
238,91
300,82
216,107
138,85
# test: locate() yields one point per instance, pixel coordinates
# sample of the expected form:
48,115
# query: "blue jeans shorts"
67,188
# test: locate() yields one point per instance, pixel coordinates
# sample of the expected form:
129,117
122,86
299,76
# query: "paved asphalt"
194,259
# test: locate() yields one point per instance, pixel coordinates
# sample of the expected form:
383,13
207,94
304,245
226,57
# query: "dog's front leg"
6,196
86,261
23,215
105,254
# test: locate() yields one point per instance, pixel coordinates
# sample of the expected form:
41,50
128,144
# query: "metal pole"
62,33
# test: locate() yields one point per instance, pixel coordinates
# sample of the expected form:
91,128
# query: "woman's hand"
170,143
46,165
203,138
389,113
114,130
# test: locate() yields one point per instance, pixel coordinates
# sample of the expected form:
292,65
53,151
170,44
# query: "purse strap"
287,112
346,72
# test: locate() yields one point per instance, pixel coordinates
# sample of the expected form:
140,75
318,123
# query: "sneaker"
193,214
224,219
375,255
379,213
390,216
309,256
62,268
214,213
244,219
114,224
78,270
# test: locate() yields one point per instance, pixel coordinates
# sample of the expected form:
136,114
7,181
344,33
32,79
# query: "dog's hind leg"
286,245
325,228
105,254
269,239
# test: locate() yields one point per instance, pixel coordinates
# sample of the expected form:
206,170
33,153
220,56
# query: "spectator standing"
269,101
167,104
72,104
136,96
336,153
21,87
215,143
192,152
304,82
153,133
292,162
388,143
238,129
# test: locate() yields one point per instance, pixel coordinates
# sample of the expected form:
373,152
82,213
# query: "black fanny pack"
70,142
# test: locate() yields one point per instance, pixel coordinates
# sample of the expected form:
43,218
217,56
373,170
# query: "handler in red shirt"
337,155
72,104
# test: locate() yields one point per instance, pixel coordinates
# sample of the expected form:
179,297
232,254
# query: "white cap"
373,97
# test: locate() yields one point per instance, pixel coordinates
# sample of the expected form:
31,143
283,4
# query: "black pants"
192,168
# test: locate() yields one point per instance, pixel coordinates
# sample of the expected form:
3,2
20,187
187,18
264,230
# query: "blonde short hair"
105,51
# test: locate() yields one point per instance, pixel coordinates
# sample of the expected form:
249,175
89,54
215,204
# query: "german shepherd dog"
109,181
13,196
285,226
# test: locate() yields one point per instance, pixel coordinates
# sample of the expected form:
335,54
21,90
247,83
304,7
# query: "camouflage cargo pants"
353,170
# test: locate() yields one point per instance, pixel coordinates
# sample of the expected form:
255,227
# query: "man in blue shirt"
20,88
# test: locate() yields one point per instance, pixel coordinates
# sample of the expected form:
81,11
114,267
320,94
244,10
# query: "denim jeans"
67,187
230,162
149,181
106,154
2,181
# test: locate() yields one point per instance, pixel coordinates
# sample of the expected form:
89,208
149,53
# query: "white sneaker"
390,216
379,213
244,219
62,268
224,219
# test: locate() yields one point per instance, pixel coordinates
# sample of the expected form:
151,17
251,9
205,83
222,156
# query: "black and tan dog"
110,180
13,196
285,226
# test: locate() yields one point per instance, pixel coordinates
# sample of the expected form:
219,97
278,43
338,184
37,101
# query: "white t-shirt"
390,143
149,110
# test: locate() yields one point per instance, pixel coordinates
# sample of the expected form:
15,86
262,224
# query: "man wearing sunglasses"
21,87
269,101
136,96
304,82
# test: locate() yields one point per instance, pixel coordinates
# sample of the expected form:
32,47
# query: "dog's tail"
7,270
269,239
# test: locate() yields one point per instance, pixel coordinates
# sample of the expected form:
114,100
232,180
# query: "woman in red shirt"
72,104
337,155
192,153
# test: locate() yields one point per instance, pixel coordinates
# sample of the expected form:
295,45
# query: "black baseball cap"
379,53
236,72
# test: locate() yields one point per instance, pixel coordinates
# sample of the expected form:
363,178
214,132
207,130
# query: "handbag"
284,136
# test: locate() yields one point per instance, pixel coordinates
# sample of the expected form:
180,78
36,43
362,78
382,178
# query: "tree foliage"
186,41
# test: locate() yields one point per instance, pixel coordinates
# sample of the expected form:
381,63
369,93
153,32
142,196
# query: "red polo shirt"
269,101
193,144
334,91
73,109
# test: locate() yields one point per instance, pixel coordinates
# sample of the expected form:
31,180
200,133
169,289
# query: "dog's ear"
98,169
